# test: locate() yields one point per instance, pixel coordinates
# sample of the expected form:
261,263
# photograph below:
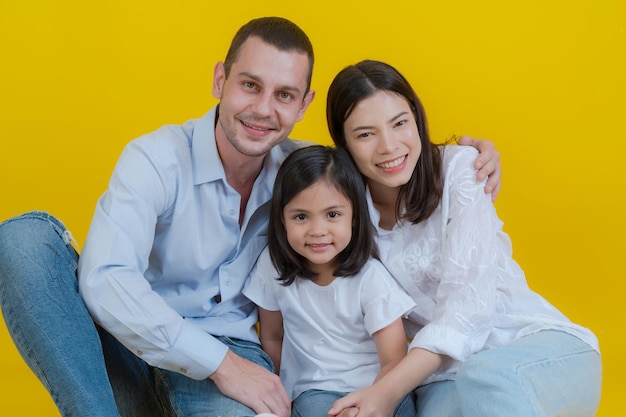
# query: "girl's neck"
385,199
325,274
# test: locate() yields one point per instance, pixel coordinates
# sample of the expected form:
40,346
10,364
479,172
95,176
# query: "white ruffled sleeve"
382,299
465,299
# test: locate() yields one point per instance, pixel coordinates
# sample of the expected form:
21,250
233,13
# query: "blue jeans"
545,374
85,370
316,403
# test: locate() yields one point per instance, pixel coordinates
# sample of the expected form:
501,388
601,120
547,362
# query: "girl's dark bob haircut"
301,169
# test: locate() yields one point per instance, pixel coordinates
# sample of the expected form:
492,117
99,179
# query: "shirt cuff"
443,341
196,354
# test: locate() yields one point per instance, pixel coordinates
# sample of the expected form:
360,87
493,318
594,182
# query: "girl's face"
381,134
318,222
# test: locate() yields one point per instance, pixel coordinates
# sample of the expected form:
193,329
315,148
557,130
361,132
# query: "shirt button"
228,282
231,212
139,353
183,370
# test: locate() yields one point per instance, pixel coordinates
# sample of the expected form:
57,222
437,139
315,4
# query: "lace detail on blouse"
457,265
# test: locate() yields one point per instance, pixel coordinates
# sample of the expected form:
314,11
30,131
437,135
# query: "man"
170,245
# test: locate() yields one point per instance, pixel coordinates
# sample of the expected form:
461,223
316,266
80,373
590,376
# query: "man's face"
262,98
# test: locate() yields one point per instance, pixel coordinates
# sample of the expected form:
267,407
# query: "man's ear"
306,102
219,77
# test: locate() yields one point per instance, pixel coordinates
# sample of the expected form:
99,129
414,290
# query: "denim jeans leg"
547,373
406,407
438,399
316,403
192,398
132,379
46,317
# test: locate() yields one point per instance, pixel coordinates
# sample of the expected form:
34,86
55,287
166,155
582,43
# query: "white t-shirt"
328,343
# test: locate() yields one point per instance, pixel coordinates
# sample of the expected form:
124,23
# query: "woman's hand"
380,399
367,402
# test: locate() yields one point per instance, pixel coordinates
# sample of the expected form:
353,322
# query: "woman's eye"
401,122
333,214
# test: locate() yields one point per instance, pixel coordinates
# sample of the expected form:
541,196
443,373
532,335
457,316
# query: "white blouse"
457,266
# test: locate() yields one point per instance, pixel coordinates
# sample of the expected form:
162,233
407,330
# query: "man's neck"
241,170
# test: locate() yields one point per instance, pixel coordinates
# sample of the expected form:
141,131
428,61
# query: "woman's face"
381,134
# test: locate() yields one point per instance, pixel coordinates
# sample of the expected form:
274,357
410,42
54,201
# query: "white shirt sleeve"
260,287
465,302
382,299
113,263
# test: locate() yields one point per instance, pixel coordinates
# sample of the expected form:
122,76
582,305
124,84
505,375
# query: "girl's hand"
348,412
366,402
380,399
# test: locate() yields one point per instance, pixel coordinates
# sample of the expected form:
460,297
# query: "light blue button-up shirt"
165,242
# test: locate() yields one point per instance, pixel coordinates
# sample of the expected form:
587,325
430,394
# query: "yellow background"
544,80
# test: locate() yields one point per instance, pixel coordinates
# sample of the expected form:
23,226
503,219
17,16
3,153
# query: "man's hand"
252,385
487,164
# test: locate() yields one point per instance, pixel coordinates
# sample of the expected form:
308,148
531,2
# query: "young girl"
484,344
329,312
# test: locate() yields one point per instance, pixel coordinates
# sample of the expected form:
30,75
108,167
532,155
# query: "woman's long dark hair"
421,195
301,169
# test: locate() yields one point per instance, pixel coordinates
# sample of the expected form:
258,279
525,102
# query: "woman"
483,343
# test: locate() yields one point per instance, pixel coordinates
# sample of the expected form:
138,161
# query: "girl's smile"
318,222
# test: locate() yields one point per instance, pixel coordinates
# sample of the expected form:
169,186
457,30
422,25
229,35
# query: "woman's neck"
385,199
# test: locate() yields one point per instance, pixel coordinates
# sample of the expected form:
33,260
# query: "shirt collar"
207,165
205,159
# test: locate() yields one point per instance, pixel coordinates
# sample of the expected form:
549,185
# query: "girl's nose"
317,228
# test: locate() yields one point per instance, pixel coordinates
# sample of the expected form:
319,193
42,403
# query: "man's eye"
284,96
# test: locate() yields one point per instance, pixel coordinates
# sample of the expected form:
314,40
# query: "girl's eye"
364,135
333,214
300,217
